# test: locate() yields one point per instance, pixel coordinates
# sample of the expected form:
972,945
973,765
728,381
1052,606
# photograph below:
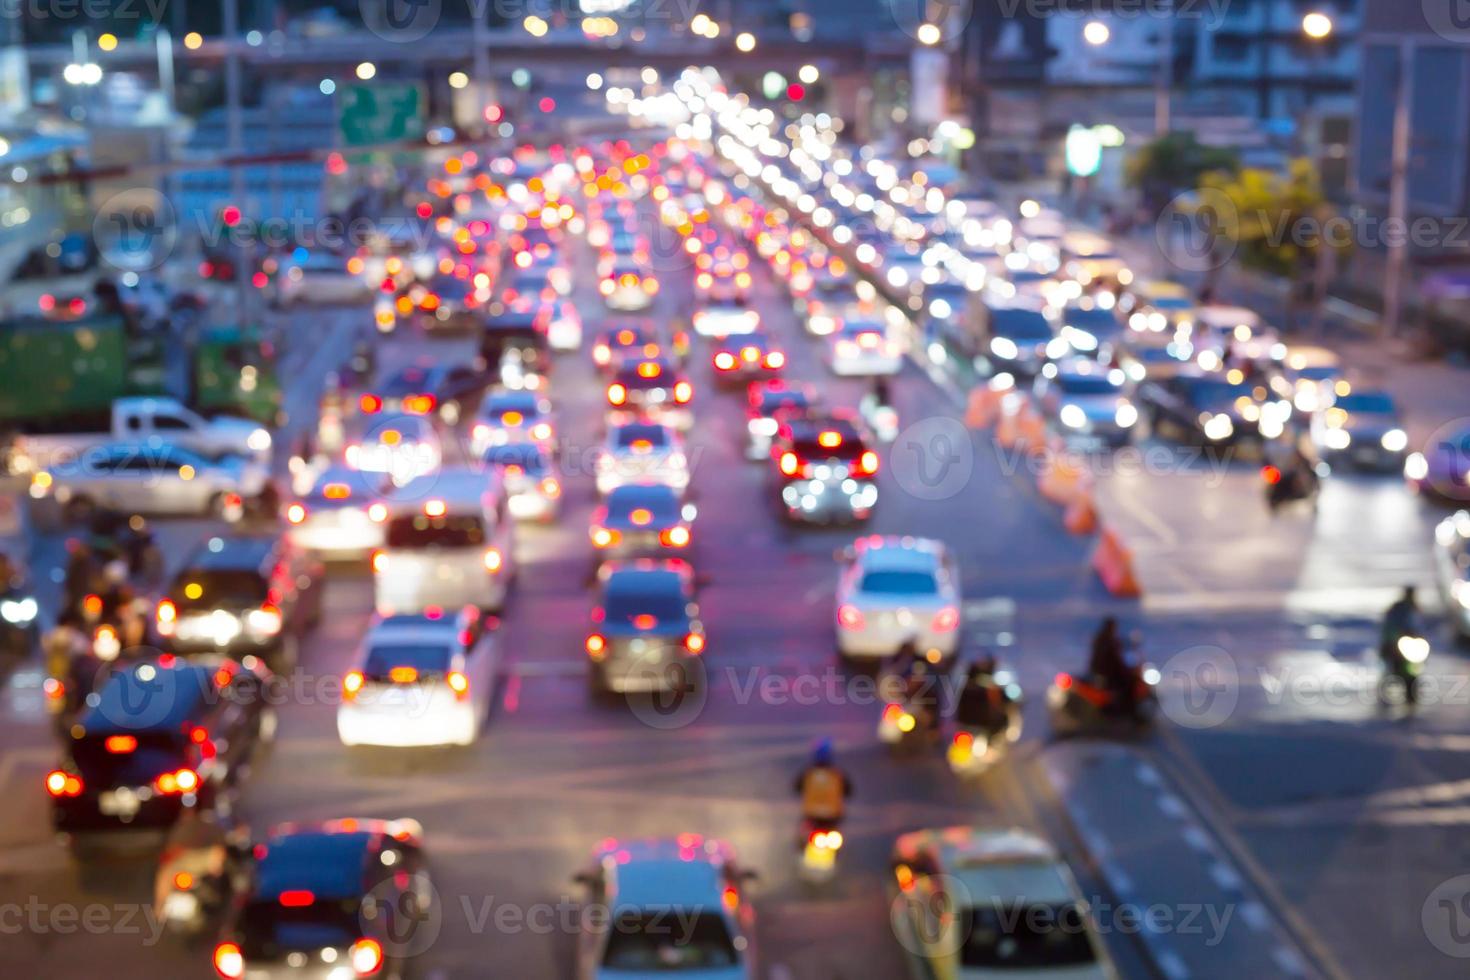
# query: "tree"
1173,163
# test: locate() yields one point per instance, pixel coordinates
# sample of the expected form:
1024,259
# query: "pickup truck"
143,420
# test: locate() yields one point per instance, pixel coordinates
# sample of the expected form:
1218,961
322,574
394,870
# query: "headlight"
1004,348
259,440
1219,427
1416,467
1073,417
1126,415
18,612
1460,590
1081,339
1057,348
1415,649
1338,438
1395,440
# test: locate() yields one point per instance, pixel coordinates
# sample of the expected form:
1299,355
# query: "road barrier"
1032,429
1081,514
1007,421
983,408
1113,563
1063,479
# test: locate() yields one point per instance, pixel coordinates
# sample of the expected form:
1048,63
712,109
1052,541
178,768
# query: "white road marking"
1255,915
1224,876
1288,961
1172,806
1172,965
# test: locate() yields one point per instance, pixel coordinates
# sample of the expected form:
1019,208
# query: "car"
625,288
333,898
148,478
242,596
425,388
1441,470
1157,305
1017,339
532,483
1452,570
1362,428
893,591
651,388
417,679
824,470
640,520
725,319
645,627
635,452
448,543
1212,409
1236,335
564,325
1086,399
158,738
768,402
403,447
1091,328
627,339
451,301
335,518
864,348
635,887
831,290
513,416
741,359
1006,892
320,277
514,350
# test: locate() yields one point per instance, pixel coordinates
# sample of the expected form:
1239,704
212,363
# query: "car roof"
1231,316
640,494
676,872
186,684
329,864
896,553
230,553
457,486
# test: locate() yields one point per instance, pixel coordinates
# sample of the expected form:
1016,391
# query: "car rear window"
661,941
419,531
630,435
1366,404
900,583
201,589
623,605
269,929
1024,937
426,659
114,759
1083,384
772,401
1020,324
848,451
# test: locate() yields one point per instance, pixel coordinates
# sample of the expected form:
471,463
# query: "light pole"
1398,193
1164,84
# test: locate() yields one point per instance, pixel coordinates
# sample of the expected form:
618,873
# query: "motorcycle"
882,419
1283,488
973,749
1078,704
821,843
202,866
1403,666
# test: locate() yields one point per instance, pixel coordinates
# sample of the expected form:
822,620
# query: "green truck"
58,372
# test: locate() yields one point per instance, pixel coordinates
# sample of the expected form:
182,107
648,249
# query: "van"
448,542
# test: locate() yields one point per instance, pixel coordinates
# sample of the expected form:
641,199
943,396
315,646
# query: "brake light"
166,616
493,560
892,712
296,513
1271,475
675,537
616,394
435,508
650,285
120,744
601,354
512,418
606,287
641,516
1064,681
650,369
550,487
296,898
419,404
179,781
683,391
790,464
60,783
370,404
92,605
228,961
183,881
849,617
868,462
945,620
596,646
366,957
351,684
829,439
694,643
337,491
459,684
603,537
725,361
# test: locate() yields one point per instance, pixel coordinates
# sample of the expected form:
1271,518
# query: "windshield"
660,940
1020,324
1091,319
197,589
269,929
1024,937
1209,393
1084,384
419,531
1366,404
900,583
430,659
631,435
664,601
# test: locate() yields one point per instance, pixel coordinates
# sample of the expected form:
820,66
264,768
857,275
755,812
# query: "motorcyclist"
81,574
1109,666
981,705
1399,621
882,396
921,696
824,788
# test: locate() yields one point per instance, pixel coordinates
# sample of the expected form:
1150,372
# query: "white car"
638,452
530,478
863,348
419,679
323,278
1007,893
893,591
339,516
405,447
149,479
1452,568
725,320
564,329
636,885
516,416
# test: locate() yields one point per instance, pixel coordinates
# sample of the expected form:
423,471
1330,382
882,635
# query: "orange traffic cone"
983,407
1113,563
1062,478
1081,515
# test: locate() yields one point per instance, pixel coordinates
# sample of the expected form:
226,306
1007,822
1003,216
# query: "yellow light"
193,40
107,42
929,34
366,70
745,41
458,79
1317,25
1096,33
193,590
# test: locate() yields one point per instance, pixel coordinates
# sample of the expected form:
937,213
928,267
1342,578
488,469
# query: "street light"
1096,33
366,70
745,41
808,74
1317,25
929,34
458,79
89,73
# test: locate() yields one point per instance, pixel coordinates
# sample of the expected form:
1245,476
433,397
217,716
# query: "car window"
207,589
269,929
900,583
426,659
419,531
1024,937
169,423
658,941
624,606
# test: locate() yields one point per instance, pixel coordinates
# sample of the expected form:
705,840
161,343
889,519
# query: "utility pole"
235,137
1398,194
1164,83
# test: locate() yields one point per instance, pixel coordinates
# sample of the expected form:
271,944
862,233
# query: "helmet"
822,753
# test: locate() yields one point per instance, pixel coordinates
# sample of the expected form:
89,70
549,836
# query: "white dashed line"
1172,965
1255,915
1198,839
1147,774
1173,806
1288,961
1224,876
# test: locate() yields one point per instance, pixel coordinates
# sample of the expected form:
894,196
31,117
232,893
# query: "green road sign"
380,112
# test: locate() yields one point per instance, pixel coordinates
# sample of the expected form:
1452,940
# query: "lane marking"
1172,806
1255,915
1171,964
1224,876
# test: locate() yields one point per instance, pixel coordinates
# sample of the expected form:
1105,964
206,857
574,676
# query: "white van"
448,543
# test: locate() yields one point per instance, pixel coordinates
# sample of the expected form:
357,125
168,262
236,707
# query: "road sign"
381,112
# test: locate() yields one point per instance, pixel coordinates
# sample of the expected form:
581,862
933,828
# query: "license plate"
118,803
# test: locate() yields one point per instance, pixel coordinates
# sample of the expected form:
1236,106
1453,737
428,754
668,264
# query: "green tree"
1174,163
1277,220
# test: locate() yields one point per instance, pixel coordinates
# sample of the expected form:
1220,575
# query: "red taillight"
351,684
459,684
868,463
419,404
60,783
166,616
380,561
120,744
296,898
775,360
725,361
790,464
179,781
1271,475
366,957
596,646
229,962
1064,681
892,712
616,394
849,617
370,404
945,620
403,675
694,643
493,560
296,513
683,391
603,537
